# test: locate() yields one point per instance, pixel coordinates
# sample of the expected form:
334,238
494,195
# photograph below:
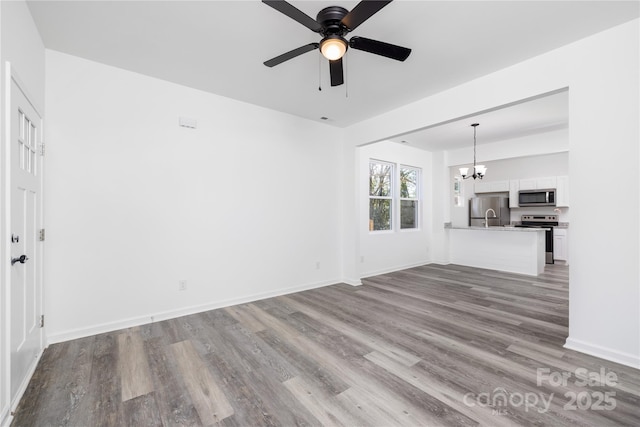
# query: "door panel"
26,219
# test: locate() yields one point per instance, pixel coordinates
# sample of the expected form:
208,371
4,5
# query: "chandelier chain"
478,170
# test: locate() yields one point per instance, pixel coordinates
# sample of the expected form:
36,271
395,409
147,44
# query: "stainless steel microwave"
537,198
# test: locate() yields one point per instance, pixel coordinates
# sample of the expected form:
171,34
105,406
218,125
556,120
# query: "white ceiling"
545,113
219,46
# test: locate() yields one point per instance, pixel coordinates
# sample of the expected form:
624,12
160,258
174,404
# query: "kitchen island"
516,250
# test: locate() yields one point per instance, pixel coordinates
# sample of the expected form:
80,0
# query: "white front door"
26,219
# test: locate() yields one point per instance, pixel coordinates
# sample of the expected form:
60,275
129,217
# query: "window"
27,143
393,190
409,197
380,195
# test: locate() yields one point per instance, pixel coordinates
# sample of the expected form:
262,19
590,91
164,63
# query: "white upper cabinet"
546,183
560,183
491,187
497,186
481,187
528,184
562,192
514,187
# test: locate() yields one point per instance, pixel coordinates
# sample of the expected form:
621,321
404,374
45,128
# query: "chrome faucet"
486,219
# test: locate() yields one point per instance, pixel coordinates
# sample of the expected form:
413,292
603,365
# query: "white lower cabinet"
560,244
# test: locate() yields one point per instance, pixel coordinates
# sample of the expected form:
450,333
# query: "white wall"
602,75
20,44
522,167
243,207
386,251
441,211
604,305
543,143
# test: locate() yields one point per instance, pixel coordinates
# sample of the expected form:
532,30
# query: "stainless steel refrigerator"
478,207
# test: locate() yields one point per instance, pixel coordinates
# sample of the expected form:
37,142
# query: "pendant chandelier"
478,170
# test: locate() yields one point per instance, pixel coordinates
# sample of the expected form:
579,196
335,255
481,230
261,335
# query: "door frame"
7,408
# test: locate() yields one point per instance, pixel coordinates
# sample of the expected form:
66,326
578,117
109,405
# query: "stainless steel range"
542,221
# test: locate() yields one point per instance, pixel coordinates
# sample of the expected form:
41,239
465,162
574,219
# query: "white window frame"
417,199
391,197
395,199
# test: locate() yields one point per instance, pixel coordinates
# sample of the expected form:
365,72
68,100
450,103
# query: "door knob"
21,259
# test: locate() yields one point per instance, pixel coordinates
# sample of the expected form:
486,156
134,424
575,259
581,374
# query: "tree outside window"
409,197
380,195
386,197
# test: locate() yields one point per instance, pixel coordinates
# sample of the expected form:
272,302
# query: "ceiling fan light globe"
333,47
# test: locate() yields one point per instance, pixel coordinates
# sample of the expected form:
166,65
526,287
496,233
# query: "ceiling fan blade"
335,69
363,11
376,47
294,13
291,54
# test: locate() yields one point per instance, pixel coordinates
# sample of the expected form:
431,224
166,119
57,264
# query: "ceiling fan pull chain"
319,71
346,77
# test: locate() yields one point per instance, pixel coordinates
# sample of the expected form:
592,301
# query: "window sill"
381,232
410,230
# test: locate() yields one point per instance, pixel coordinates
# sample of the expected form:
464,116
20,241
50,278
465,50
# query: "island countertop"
499,228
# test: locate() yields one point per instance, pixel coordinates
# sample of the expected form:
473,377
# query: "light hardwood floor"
432,345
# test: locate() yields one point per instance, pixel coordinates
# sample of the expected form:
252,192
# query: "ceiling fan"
333,23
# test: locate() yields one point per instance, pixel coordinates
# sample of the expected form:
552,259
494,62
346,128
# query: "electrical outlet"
182,285
361,259
317,265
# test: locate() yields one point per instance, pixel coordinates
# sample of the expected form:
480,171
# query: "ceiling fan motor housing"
330,18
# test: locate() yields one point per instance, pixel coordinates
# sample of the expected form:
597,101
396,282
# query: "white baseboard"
352,282
6,418
172,314
395,268
627,359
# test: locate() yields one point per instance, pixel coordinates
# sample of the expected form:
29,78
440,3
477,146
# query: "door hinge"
42,149
42,321
42,234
